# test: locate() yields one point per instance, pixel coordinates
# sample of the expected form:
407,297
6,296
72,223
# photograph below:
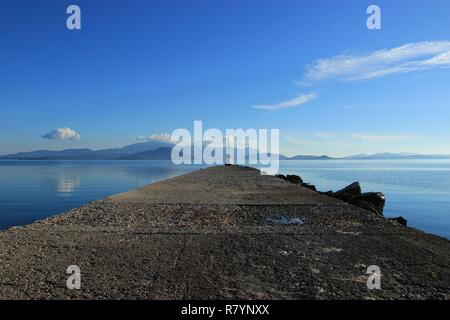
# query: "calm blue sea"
419,190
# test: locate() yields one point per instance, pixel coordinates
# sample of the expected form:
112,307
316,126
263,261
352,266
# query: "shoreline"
254,236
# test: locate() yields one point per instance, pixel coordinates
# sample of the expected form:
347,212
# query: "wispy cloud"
288,104
161,137
382,137
407,58
62,134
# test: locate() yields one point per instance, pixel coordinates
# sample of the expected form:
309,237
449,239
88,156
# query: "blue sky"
138,68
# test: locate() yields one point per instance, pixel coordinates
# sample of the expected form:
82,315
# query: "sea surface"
418,190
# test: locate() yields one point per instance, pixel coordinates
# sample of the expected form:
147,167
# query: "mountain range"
157,150
88,154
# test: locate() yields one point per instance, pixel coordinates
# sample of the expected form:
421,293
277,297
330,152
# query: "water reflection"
67,185
64,181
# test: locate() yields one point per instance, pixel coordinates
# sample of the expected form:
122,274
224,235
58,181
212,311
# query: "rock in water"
375,201
371,201
349,193
400,220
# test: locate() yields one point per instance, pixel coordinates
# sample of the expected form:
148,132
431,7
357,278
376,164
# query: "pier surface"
222,233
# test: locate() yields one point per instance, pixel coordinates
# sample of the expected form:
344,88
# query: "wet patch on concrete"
287,221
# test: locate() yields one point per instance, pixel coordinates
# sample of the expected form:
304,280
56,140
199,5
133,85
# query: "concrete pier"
222,233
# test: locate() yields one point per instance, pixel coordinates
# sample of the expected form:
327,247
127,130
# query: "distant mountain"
144,146
357,156
88,154
157,150
48,154
301,157
163,153
394,156
376,156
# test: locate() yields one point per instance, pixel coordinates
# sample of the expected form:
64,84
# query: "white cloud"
288,104
62,134
407,58
161,137
381,137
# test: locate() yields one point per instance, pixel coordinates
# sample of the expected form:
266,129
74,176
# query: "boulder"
281,176
292,178
376,201
366,205
371,201
400,220
329,193
349,193
309,186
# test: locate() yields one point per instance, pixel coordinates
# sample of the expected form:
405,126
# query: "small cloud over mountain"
161,137
62,134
